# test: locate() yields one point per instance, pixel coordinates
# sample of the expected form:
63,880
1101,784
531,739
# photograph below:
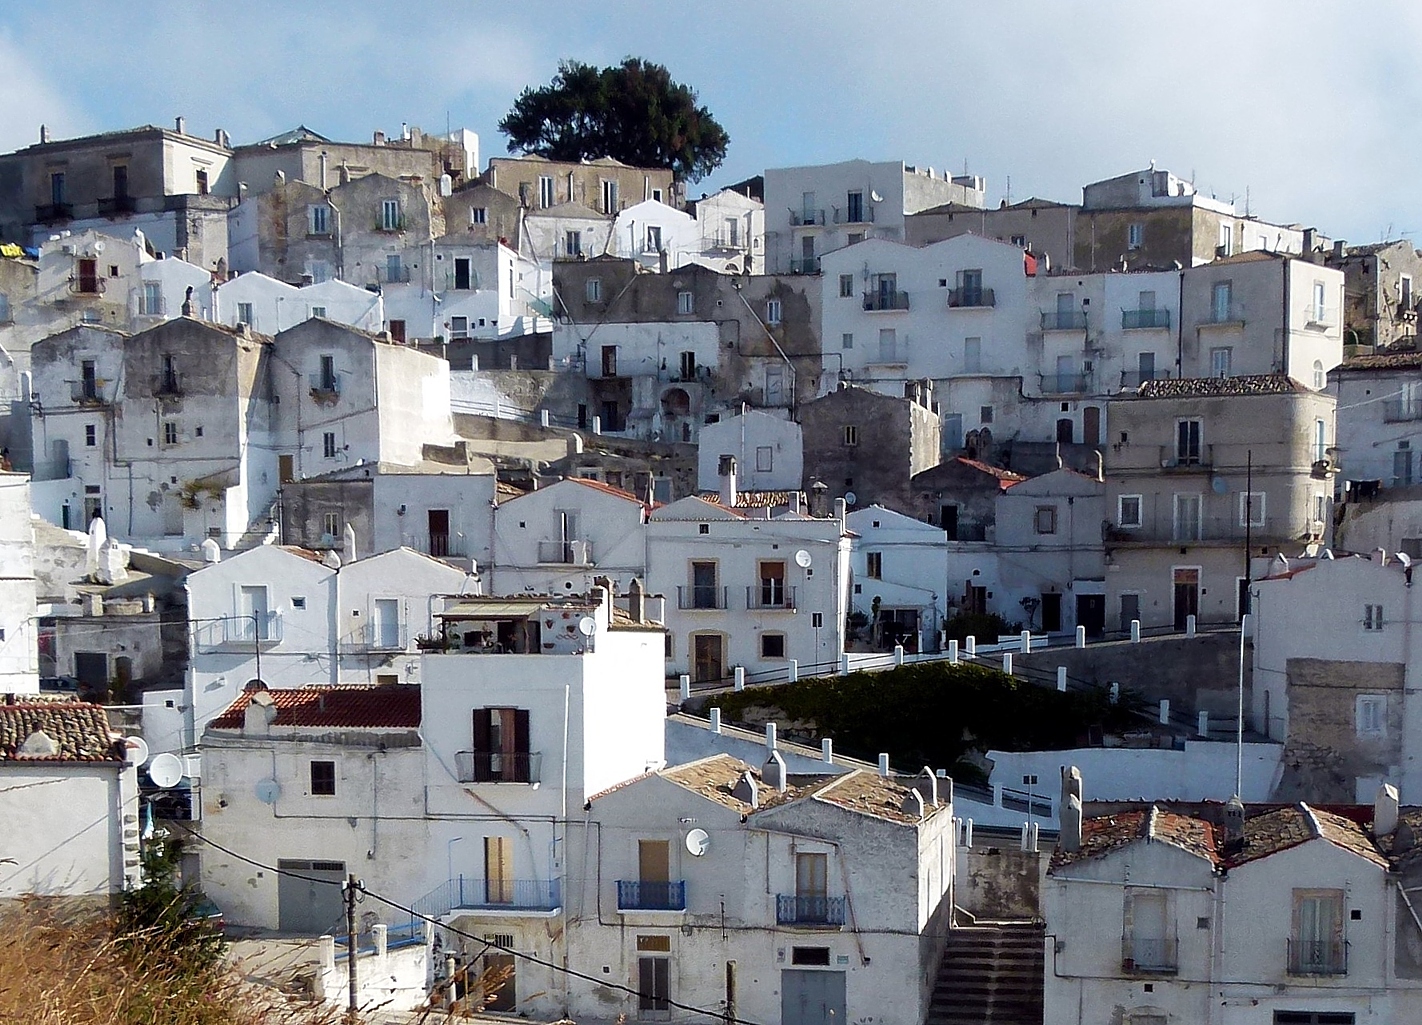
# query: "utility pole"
257,641
350,890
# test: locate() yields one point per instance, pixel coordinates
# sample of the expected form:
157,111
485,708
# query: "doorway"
1186,581
309,897
1130,610
1052,613
1064,431
91,669
438,522
708,658
1091,425
1091,613
811,998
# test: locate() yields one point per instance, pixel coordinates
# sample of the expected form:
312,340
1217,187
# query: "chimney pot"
180,123
1071,824
1385,810
44,134
884,764
773,773
726,470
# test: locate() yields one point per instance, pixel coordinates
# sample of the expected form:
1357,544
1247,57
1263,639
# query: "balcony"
1402,410
94,391
85,284
1064,320
565,553
325,387
1318,957
639,895
1319,318
492,895
805,265
970,298
383,637
863,214
115,206
1065,384
168,385
1142,955
1231,313
389,224
879,302
392,276
440,545
802,218
701,598
1140,320
51,212
794,909
51,469
1199,458
770,596
498,766
1209,530
241,633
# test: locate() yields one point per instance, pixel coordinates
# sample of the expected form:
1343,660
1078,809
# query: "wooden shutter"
521,746
482,729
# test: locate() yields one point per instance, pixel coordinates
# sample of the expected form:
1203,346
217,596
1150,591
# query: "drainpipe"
1180,329
340,242
1284,340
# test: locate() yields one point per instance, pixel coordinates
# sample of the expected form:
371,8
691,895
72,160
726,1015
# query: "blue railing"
792,909
635,895
485,894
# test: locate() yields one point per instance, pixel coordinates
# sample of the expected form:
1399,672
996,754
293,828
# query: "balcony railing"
1065,384
112,206
879,301
566,553
638,895
242,633
52,212
498,766
849,215
325,384
383,637
701,597
492,895
970,298
1174,458
1319,317
93,392
800,218
1401,410
1064,320
83,284
1132,320
51,469
770,596
1167,531
1318,957
1149,955
794,909
167,384
805,265
1231,314
441,546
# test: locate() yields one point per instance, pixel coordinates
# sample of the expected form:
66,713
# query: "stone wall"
1003,881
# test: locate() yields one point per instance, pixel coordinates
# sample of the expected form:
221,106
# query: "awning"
493,610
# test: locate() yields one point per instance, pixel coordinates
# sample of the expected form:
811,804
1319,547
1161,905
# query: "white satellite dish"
698,842
587,626
850,498
802,559
166,770
1219,486
98,245
267,791
137,749
874,195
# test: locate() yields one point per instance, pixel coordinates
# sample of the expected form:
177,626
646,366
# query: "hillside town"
559,559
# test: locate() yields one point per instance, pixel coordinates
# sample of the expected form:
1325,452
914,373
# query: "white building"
1380,418
901,582
657,236
769,452
565,231
269,306
732,232
748,591
19,634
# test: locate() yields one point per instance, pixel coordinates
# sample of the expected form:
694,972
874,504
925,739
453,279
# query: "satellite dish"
137,749
166,770
1219,486
874,195
698,842
587,626
267,791
802,559
850,498
98,245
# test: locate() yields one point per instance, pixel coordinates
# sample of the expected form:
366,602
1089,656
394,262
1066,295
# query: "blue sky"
1306,106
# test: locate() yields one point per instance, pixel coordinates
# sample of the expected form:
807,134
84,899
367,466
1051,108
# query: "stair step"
991,974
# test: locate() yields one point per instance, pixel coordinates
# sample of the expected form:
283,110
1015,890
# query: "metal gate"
811,998
311,906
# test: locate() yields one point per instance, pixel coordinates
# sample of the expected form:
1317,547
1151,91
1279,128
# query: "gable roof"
80,731
1405,359
1208,387
587,482
694,507
388,706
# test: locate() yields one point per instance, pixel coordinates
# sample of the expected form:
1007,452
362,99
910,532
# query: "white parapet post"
1135,631
952,653
997,795
1115,692
1007,662
715,720
740,677
544,418
1081,637
597,425
968,833
898,654
844,664
827,750
1022,839
1061,679
685,687
1026,642
970,645
1202,726
770,740
1033,838
1165,711
792,670
1190,625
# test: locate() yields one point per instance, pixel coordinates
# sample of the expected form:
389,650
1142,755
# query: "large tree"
632,112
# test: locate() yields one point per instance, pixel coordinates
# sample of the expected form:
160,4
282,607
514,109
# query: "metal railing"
794,909
384,637
968,298
325,384
51,469
879,301
241,632
1149,955
167,384
1064,320
1231,314
701,598
770,595
847,215
566,553
1065,384
806,265
471,282
54,212
109,206
1135,378
1318,316
1173,458
94,391
498,766
800,218
470,892
1400,410
639,895
82,284
1318,957
1212,528
1136,319
401,275
441,546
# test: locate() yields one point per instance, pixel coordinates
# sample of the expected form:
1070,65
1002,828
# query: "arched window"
1320,379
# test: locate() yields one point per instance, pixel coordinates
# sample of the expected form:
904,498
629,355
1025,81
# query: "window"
323,779
318,311
394,268
501,751
854,207
1128,511
985,415
478,215
320,271
1221,301
772,645
1226,239
888,345
5,315
170,432
609,197
733,231
764,459
1316,946
654,239
1320,376
705,594
1135,236
594,290
56,188
772,311
1310,1018
970,287
1187,518
846,286
688,366
851,435
328,444
202,186
573,243
1187,442
390,215
1370,719
1404,291
809,955
152,299
1372,618
609,361
1045,520
1221,361
972,355
318,220
1320,440
298,602
498,870
244,314
120,181
459,327
330,525
545,190
1402,465
1020,241
1318,311
1251,508
685,302
91,435
846,340
874,565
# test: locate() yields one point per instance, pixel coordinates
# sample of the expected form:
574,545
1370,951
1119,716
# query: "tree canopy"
632,112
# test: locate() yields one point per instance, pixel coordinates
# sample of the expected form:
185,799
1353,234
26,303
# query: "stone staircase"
991,975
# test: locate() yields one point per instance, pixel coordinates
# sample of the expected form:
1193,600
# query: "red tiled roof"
1006,478
378,707
1217,387
80,731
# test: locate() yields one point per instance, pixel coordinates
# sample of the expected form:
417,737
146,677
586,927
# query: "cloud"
31,100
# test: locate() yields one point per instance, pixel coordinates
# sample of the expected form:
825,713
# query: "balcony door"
253,610
654,873
438,522
772,584
811,887
1147,924
1318,934
1186,583
704,592
498,870
385,623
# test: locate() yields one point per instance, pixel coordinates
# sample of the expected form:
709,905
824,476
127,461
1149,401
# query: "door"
1064,431
709,665
654,873
952,433
385,623
1148,914
286,469
653,987
811,998
1066,373
1091,425
774,386
438,522
1145,367
1052,613
91,668
88,275
172,514
461,272
253,611
1187,518
888,291
312,905
498,870
948,520
1130,610
807,253
609,361
1091,613
704,592
811,887
505,997
1187,595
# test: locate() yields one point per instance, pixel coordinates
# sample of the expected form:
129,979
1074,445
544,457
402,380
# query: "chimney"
1234,824
773,772
211,551
637,601
348,543
1385,810
44,134
222,138
927,785
1071,785
322,161
93,604
841,510
180,124
378,138
1340,247
747,790
726,470
884,764
795,505
912,804
1071,824
260,712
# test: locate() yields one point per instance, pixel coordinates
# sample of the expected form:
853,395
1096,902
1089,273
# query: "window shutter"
521,745
482,726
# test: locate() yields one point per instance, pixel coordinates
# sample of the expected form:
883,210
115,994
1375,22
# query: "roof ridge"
1312,818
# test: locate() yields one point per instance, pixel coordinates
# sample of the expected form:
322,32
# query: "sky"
1300,107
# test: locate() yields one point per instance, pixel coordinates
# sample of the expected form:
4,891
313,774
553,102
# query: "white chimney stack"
884,764
726,470
770,736
1385,810
1071,824
773,773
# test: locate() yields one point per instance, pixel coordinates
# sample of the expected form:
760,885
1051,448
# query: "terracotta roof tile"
1006,478
868,793
347,706
1407,359
756,499
1208,387
80,731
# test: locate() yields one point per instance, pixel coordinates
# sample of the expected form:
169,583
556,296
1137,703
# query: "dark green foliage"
987,627
933,713
167,922
632,112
